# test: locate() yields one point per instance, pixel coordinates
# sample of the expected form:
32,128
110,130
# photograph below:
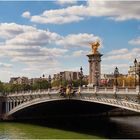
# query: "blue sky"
46,37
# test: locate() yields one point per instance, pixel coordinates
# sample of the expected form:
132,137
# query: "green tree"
7,88
43,84
1,87
56,83
76,83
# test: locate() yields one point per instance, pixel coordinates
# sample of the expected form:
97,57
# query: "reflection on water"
115,127
127,127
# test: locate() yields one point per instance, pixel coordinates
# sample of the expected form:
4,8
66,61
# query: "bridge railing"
81,89
29,92
109,89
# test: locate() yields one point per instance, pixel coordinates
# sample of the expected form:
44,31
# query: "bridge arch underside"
61,108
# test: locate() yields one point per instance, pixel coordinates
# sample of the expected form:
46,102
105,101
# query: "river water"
114,127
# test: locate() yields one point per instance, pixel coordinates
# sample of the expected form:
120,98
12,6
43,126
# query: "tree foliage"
126,81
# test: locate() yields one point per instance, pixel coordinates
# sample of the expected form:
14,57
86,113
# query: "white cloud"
120,51
80,53
60,16
10,30
115,10
37,49
121,58
32,54
77,40
123,54
135,41
26,14
5,65
56,20
29,45
34,38
66,2
109,68
5,74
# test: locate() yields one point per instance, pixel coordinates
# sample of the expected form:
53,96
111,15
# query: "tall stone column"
94,65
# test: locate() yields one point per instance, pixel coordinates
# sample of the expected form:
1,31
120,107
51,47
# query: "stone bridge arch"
107,104
126,99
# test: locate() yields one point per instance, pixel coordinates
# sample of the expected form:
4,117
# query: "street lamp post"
40,79
70,82
43,75
81,76
135,64
139,76
138,72
60,79
116,74
49,80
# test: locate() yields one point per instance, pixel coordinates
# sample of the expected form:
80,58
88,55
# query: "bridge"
126,98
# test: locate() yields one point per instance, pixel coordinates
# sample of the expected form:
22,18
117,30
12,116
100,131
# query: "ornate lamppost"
139,76
43,75
81,76
135,64
138,73
60,79
116,74
40,79
49,80
70,82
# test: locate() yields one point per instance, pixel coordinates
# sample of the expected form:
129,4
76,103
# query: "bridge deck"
123,98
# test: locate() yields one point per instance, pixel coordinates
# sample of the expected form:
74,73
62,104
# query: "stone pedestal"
94,69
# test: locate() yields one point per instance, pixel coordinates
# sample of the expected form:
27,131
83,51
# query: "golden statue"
95,46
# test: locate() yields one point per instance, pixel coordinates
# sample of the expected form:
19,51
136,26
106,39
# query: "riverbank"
80,128
20,130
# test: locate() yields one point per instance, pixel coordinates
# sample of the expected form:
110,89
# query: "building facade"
25,80
35,80
133,70
67,75
19,80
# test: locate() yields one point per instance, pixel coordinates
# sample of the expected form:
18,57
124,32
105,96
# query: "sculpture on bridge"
94,64
95,45
67,91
